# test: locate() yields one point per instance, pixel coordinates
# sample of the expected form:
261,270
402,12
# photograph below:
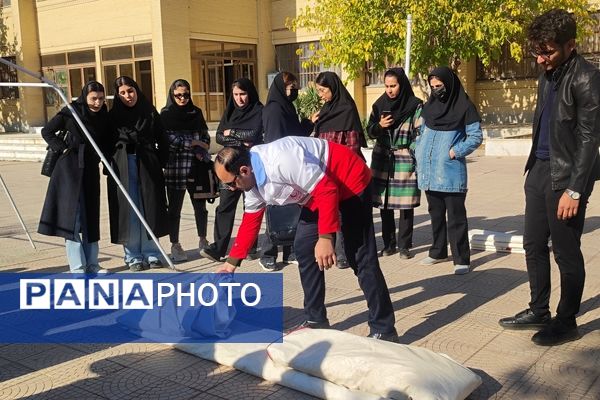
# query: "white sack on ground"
386,369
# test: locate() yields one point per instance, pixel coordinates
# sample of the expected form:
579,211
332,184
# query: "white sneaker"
177,253
431,261
461,269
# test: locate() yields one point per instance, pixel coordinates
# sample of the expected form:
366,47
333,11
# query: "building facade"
208,42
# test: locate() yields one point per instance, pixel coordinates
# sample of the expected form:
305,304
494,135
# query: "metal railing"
47,83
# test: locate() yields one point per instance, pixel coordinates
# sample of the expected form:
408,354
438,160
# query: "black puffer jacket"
575,124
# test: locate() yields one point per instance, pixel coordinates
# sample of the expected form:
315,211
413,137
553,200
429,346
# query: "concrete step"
26,155
22,147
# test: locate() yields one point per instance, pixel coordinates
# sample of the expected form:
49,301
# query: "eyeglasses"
182,96
546,54
231,185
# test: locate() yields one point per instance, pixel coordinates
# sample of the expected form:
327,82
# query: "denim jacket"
436,171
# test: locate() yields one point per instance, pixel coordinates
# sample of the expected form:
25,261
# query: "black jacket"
76,172
575,124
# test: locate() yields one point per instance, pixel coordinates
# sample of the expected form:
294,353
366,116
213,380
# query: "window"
288,59
5,3
8,74
215,65
374,77
133,60
70,71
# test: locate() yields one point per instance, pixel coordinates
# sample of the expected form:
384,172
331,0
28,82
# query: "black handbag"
282,222
52,156
202,182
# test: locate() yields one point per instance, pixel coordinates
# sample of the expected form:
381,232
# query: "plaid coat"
393,165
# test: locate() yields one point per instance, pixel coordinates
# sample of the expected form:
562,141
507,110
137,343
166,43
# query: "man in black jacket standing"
562,168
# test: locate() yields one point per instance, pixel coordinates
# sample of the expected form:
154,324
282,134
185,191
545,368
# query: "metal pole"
408,45
51,84
14,206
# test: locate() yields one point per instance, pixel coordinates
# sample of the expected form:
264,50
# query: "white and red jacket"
312,172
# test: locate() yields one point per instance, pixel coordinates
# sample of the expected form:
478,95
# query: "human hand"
386,121
226,268
452,154
567,207
325,253
226,132
314,117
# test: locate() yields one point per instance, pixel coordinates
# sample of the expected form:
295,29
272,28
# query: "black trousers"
225,219
405,228
541,204
270,250
360,247
175,198
456,230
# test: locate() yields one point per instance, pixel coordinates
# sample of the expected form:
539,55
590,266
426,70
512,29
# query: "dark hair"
556,25
94,86
288,78
322,80
241,84
124,80
233,158
180,83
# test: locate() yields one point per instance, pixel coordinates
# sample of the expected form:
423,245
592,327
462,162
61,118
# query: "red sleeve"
246,236
325,199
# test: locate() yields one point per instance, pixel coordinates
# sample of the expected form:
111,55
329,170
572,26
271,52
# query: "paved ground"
456,315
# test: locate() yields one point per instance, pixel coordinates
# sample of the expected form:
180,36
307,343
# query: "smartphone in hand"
386,114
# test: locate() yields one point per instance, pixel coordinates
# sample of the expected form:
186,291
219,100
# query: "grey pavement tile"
246,387
202,375
289,394
17,352
53,356
25,387
130,383
10,370
165,363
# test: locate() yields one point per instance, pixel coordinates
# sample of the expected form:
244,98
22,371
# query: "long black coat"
152,150
76,171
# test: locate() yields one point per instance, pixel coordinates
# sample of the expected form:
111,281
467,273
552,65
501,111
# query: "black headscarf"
402,106
340,113
456,112
247,117
280,118
182,118
97,123
135,118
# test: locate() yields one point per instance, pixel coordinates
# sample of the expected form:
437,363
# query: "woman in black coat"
280,119
241,125
72,205
140,152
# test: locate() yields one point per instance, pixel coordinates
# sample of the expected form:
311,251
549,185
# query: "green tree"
445,32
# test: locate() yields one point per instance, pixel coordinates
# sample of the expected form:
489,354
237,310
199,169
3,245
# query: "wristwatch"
572,194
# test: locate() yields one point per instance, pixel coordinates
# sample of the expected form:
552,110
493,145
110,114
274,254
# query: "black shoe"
388,337
404,254
309,325
388,251
290,259
211,253
268,264
525,320
136,267
555,333
252,256
342,264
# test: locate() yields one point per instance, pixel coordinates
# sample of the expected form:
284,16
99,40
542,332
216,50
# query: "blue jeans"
138,248
81,254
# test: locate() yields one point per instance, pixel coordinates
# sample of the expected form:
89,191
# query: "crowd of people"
271,157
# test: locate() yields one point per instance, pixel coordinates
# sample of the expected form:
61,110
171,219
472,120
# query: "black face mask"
440,93
293,94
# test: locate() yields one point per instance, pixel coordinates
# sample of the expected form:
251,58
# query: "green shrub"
308,101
